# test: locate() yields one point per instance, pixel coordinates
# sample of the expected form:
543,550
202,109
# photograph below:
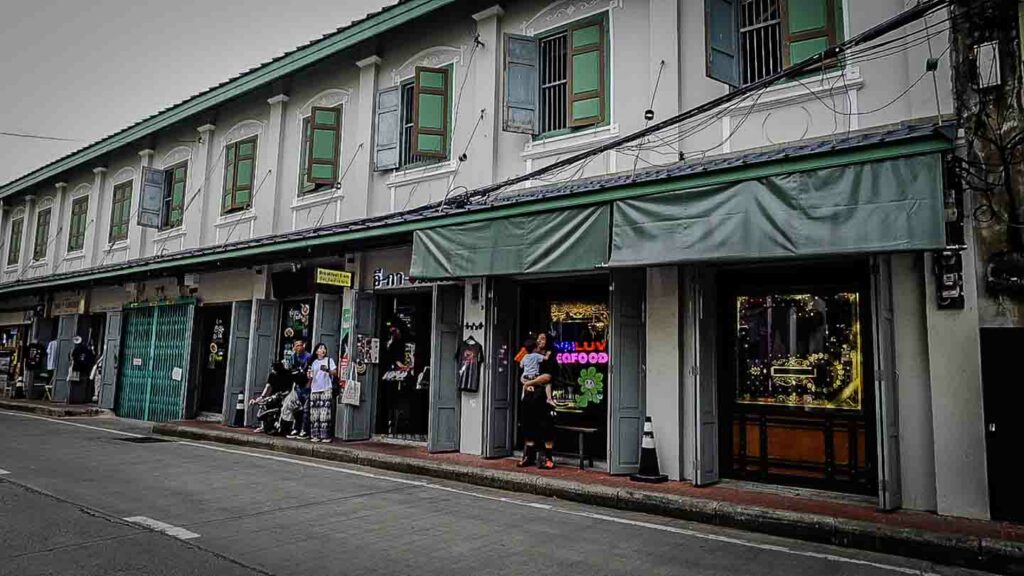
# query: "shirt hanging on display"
471,356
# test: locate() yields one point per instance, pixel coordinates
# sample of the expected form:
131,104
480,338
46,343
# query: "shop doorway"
12,343
403,386
154,359
213,327
576,312
794,395
1000,350
92,328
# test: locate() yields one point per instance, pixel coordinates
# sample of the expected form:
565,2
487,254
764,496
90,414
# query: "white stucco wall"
663,382
471,436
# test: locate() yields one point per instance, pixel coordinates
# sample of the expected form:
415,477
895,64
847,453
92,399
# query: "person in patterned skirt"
321,399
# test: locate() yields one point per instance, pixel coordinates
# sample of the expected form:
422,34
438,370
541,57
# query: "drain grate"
143,440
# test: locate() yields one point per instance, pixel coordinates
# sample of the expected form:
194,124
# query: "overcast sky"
83,70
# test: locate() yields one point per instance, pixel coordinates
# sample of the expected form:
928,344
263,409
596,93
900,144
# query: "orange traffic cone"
649,471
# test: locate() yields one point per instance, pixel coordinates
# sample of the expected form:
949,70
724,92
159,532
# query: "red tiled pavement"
721,493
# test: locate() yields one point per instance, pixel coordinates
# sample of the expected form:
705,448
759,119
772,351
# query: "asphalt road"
82,496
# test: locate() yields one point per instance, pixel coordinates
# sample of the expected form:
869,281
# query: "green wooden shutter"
14,246
586,75
76,230
522,84
430,112
323,146
810,28
174,204
389,127
239,173
304,184
721,39
42,235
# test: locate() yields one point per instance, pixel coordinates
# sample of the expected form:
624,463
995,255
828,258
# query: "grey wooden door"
356,422
703,302
889,492
499,389
111,354
262,349
327,323
238,357
443,429
67,327
626,383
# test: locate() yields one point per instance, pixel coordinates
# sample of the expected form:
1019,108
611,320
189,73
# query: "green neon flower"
591,387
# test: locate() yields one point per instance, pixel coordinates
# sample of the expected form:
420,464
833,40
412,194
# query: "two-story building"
757,279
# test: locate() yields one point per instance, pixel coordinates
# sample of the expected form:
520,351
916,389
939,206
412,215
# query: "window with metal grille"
554,82
761,39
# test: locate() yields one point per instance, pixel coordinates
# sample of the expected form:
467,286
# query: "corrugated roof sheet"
472,203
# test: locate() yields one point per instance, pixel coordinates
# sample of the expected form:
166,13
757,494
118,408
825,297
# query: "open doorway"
576,313
403,390
213,327
1000,349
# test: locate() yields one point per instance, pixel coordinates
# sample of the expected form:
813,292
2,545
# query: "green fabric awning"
564,241
885,206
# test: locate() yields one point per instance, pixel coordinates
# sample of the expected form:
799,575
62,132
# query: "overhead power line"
38,137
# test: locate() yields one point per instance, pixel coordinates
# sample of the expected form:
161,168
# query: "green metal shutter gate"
157,339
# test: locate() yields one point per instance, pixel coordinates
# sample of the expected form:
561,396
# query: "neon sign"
582,352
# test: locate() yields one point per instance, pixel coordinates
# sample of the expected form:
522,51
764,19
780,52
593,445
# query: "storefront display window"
799,350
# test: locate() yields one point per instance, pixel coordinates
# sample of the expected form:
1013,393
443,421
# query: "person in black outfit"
278,385
537,419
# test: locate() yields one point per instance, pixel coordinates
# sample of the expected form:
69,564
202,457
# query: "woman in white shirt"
321,399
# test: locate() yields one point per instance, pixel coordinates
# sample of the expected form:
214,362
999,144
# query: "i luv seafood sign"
582,353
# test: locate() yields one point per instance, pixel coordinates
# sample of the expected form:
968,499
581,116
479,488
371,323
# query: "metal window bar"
554,82
760,39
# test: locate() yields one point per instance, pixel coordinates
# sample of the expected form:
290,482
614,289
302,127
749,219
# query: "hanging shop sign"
67,303
334,277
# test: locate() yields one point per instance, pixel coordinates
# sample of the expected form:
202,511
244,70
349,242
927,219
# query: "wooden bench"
581,434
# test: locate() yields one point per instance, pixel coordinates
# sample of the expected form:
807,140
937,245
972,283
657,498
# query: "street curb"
968,551
52,411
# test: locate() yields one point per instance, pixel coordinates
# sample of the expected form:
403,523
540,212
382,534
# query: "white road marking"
159,526
2,472
112,431
536,505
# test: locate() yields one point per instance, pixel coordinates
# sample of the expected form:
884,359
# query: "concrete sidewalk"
992,546
53,409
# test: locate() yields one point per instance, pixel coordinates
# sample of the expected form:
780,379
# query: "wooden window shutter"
721,41
809,27
430,112
388,129
304,184
586,75
239,174
39,249
522,84
176,179
323,146
14,247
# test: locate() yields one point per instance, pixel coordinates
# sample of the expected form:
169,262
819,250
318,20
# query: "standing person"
321,398
299,366
537,418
